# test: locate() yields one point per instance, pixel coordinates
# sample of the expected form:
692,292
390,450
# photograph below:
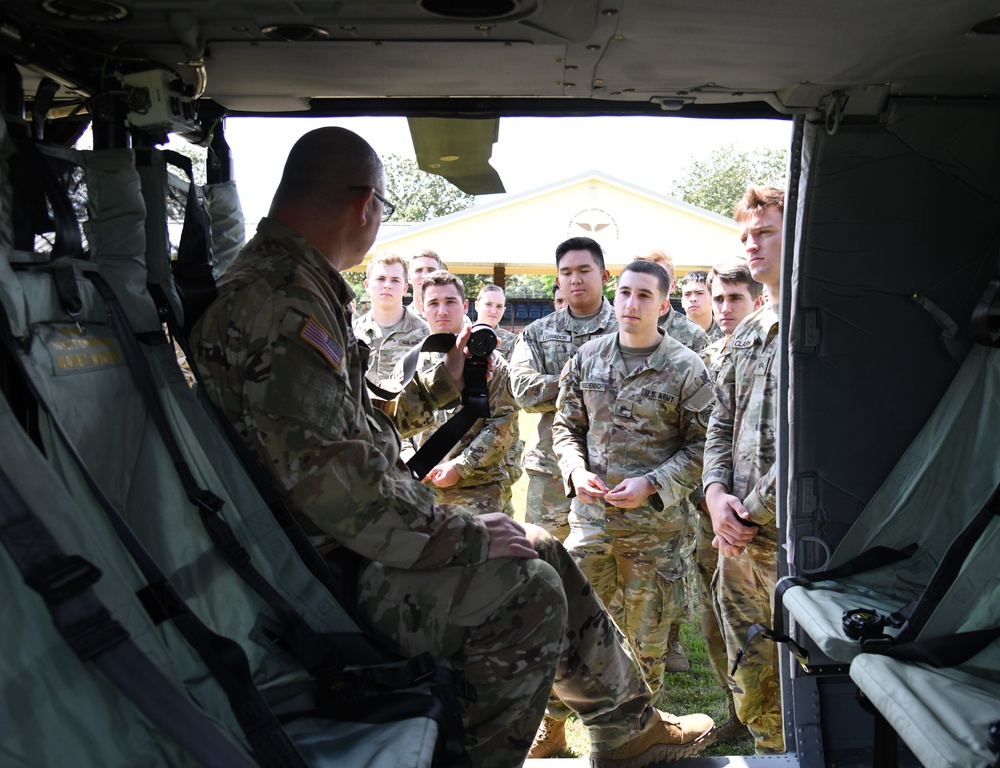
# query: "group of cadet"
646,434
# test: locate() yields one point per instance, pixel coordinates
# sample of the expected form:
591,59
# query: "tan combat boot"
674,659
550,738
666,739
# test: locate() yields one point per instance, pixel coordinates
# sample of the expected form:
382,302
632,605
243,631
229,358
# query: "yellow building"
518,234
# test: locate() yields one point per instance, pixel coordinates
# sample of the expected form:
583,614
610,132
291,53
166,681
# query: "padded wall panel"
909,208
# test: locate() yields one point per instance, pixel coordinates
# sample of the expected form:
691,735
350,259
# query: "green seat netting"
941,482
56,709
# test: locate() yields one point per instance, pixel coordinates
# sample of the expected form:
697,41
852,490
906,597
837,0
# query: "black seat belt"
64,583
192,269
940,652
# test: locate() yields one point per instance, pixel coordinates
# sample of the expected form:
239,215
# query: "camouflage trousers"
516,629
640,576
706,563
479,499
546,504
744,589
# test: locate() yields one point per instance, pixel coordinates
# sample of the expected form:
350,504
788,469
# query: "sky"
649,152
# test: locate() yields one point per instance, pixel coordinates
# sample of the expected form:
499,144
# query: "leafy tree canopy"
421,196
717,182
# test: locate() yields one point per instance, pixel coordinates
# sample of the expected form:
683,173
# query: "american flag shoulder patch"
314,334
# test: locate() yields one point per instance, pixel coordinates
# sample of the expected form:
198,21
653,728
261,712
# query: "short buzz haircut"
735,272
443,277
756,199
487,289
427,254
662,258
697,276
649,267
555,287
581,244
386,259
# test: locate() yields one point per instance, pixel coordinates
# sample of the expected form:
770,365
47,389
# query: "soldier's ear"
605,276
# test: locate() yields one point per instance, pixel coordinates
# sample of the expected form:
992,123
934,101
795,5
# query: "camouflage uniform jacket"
480,453
740,449
714,332
538,358
506,341
386,351
686,331
279,357
712,356
650,422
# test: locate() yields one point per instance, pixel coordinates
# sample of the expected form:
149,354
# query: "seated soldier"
474,474
504,603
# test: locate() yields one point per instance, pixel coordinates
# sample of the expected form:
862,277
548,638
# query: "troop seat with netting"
101,440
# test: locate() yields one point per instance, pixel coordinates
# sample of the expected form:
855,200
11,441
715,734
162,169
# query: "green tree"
717,182
421,196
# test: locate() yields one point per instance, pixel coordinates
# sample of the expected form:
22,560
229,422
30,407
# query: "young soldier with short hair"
740,476
389,329
474,474
629,433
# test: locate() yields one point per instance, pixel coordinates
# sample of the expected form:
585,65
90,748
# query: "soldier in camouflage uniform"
389,329
505,604
735,294
687,332
490,306
691,335
740,477
629,433
423,263
538,358
697,303
474,474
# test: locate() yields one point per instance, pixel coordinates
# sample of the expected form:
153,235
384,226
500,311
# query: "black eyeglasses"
387,208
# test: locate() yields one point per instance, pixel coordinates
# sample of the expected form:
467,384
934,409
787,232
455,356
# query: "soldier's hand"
724,509
590,489
507,537
443,475
630,493
725,549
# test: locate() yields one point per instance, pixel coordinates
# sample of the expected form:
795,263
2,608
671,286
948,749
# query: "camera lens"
483,340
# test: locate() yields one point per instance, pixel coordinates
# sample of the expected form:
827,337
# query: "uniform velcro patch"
314,334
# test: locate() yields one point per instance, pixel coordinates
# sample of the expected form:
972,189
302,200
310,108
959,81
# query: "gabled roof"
520,232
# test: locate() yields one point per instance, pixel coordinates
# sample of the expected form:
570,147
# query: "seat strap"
869,560
64,583
313,649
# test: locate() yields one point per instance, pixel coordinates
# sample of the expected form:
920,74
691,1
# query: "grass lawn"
695,690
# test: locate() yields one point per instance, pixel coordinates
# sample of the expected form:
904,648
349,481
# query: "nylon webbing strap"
192,270
985,325
64,583
308,645
870,559
948,569
224,658
475,403
436,342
